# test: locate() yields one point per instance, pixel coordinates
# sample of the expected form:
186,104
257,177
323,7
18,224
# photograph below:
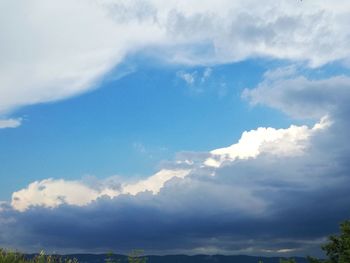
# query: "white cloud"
61,49
53,193
57,50
189,78
195,79
206,74
282,142
10,123
155,182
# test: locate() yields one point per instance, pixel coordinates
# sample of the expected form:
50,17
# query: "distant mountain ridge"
101,258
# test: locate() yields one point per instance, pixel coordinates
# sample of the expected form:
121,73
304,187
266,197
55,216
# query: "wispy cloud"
10,123
189,78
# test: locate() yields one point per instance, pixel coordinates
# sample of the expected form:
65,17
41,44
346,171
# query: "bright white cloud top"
52,193
289,142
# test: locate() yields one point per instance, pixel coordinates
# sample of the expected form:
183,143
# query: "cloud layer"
70,45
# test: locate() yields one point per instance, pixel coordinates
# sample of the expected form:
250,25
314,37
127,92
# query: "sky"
196,127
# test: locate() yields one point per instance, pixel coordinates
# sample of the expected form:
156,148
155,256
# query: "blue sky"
127,126
217,127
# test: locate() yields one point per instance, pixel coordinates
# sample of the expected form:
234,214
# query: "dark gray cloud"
194,213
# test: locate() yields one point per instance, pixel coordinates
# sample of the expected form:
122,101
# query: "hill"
93,258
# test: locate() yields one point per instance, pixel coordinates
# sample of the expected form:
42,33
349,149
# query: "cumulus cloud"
70,45
290,141
52,193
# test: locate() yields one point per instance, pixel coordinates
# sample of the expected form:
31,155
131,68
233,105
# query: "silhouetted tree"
287,261
338,247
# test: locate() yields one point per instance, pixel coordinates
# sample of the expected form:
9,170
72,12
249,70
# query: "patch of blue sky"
142,113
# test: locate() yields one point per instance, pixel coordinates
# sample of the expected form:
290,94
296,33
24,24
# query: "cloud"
299,96
155,182
10,123
264,205
197,80
51,193
71,45
189,78
206,74
291,141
